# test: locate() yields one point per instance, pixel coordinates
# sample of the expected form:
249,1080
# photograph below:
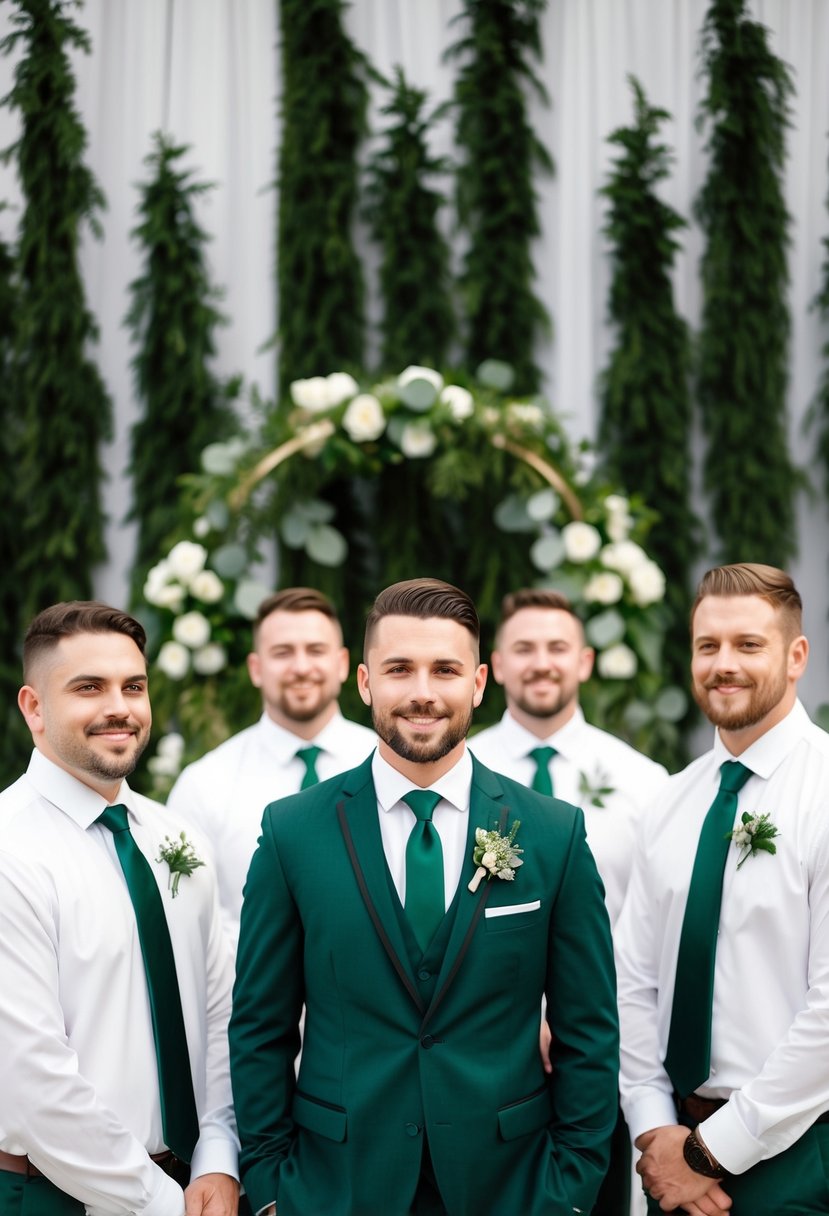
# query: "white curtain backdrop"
207,72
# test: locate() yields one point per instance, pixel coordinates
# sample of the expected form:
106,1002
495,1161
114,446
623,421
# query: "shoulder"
613,750
485,738
356,731
320,799
540,808
14,802
220,760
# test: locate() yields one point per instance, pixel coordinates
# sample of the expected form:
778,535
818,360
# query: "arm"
47,1108
264,1028
581,1009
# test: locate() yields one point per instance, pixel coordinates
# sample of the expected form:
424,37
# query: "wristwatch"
699,1159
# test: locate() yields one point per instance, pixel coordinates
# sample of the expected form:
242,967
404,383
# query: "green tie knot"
308,756
422,802
115,818
733,776
543,755
542,781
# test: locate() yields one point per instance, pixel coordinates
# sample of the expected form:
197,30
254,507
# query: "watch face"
697,1158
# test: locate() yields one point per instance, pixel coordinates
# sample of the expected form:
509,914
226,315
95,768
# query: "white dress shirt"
450,817
770,1026
226,791
588,761
78,1073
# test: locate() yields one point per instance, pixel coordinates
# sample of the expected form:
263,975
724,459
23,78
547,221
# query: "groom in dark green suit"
421,1088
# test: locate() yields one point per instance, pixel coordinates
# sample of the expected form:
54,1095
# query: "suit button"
423,974
427,1041
412,1129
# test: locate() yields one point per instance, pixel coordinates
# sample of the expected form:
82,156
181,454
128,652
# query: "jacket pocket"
320,1117
526,1115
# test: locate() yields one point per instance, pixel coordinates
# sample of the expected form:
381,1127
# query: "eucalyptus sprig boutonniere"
181,857
593,792
495,855
756,833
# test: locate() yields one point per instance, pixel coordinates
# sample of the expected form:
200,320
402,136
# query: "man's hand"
545,1038
212,1195
668,1179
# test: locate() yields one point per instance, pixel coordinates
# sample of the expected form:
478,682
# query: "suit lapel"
486,810
357,814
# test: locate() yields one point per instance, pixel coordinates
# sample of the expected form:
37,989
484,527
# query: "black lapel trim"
473,924
372,911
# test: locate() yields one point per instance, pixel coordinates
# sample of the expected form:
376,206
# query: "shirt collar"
519,742
772,748
69,795
284,744
390,785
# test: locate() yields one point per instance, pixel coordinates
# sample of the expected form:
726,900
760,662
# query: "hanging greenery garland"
320,281
173,317
465,442
496,198
63,409
417,320
645,395
743,345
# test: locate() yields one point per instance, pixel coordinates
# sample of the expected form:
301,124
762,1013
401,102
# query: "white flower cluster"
181,574
166,763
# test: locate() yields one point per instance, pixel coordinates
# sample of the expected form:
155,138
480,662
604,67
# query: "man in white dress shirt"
93,1116
299,663
543,741
725,1068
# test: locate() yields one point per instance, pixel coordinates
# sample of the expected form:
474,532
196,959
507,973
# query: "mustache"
725,682
102,728
420,711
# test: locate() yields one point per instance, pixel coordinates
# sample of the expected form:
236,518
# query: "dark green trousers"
614,1194
794,1183
22,1196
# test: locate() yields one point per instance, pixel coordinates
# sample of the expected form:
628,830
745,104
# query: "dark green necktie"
178,1104
308,756
542,781
688,1058
425,899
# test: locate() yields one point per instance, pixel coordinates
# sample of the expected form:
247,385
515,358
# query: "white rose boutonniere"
755,834
495,855
180,857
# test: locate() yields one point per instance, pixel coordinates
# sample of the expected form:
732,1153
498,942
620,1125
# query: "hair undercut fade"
533,597
774,586
71,617
424,598
295,599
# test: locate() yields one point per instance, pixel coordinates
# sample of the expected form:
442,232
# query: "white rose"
174,660
488,860
604,588
528,415
364,419
647,583
164,766
313,394
209,659
416,440
186,559
413,372
616,504
619,526
171,744
207,587
160,592
341,386
581,541
192,629
617,662
460,401
202,527
623,556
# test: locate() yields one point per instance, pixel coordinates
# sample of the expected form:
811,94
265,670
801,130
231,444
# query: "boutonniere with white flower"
593,791
755,834
496,856
181,857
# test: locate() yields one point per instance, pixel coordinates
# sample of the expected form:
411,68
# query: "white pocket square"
513,909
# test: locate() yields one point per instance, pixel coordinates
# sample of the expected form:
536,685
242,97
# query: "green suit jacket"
380,1064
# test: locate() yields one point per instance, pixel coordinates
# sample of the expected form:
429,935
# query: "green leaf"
229,561
542,505
511,515
294,528
494,373
605,629
219,459
671,704
637,715
218,514
249,595
326,545
419,395
547,552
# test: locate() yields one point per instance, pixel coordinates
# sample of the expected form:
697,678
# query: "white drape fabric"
207,71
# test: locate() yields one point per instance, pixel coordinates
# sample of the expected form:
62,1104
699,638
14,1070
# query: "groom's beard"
544,698
392,728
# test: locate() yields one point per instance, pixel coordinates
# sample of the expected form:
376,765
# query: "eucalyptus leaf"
542,505
218,514
229,561
219,459
317,510
395,428
605,629
547,552
670,704
326,545
511,515
567,584
419,395
494,373
294,528
249,595
637,714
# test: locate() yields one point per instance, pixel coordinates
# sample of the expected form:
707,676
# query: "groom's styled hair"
424,598
774,586
66,619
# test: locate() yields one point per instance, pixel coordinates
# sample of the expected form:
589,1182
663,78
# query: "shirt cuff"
647,1109
729,1142
215,1156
